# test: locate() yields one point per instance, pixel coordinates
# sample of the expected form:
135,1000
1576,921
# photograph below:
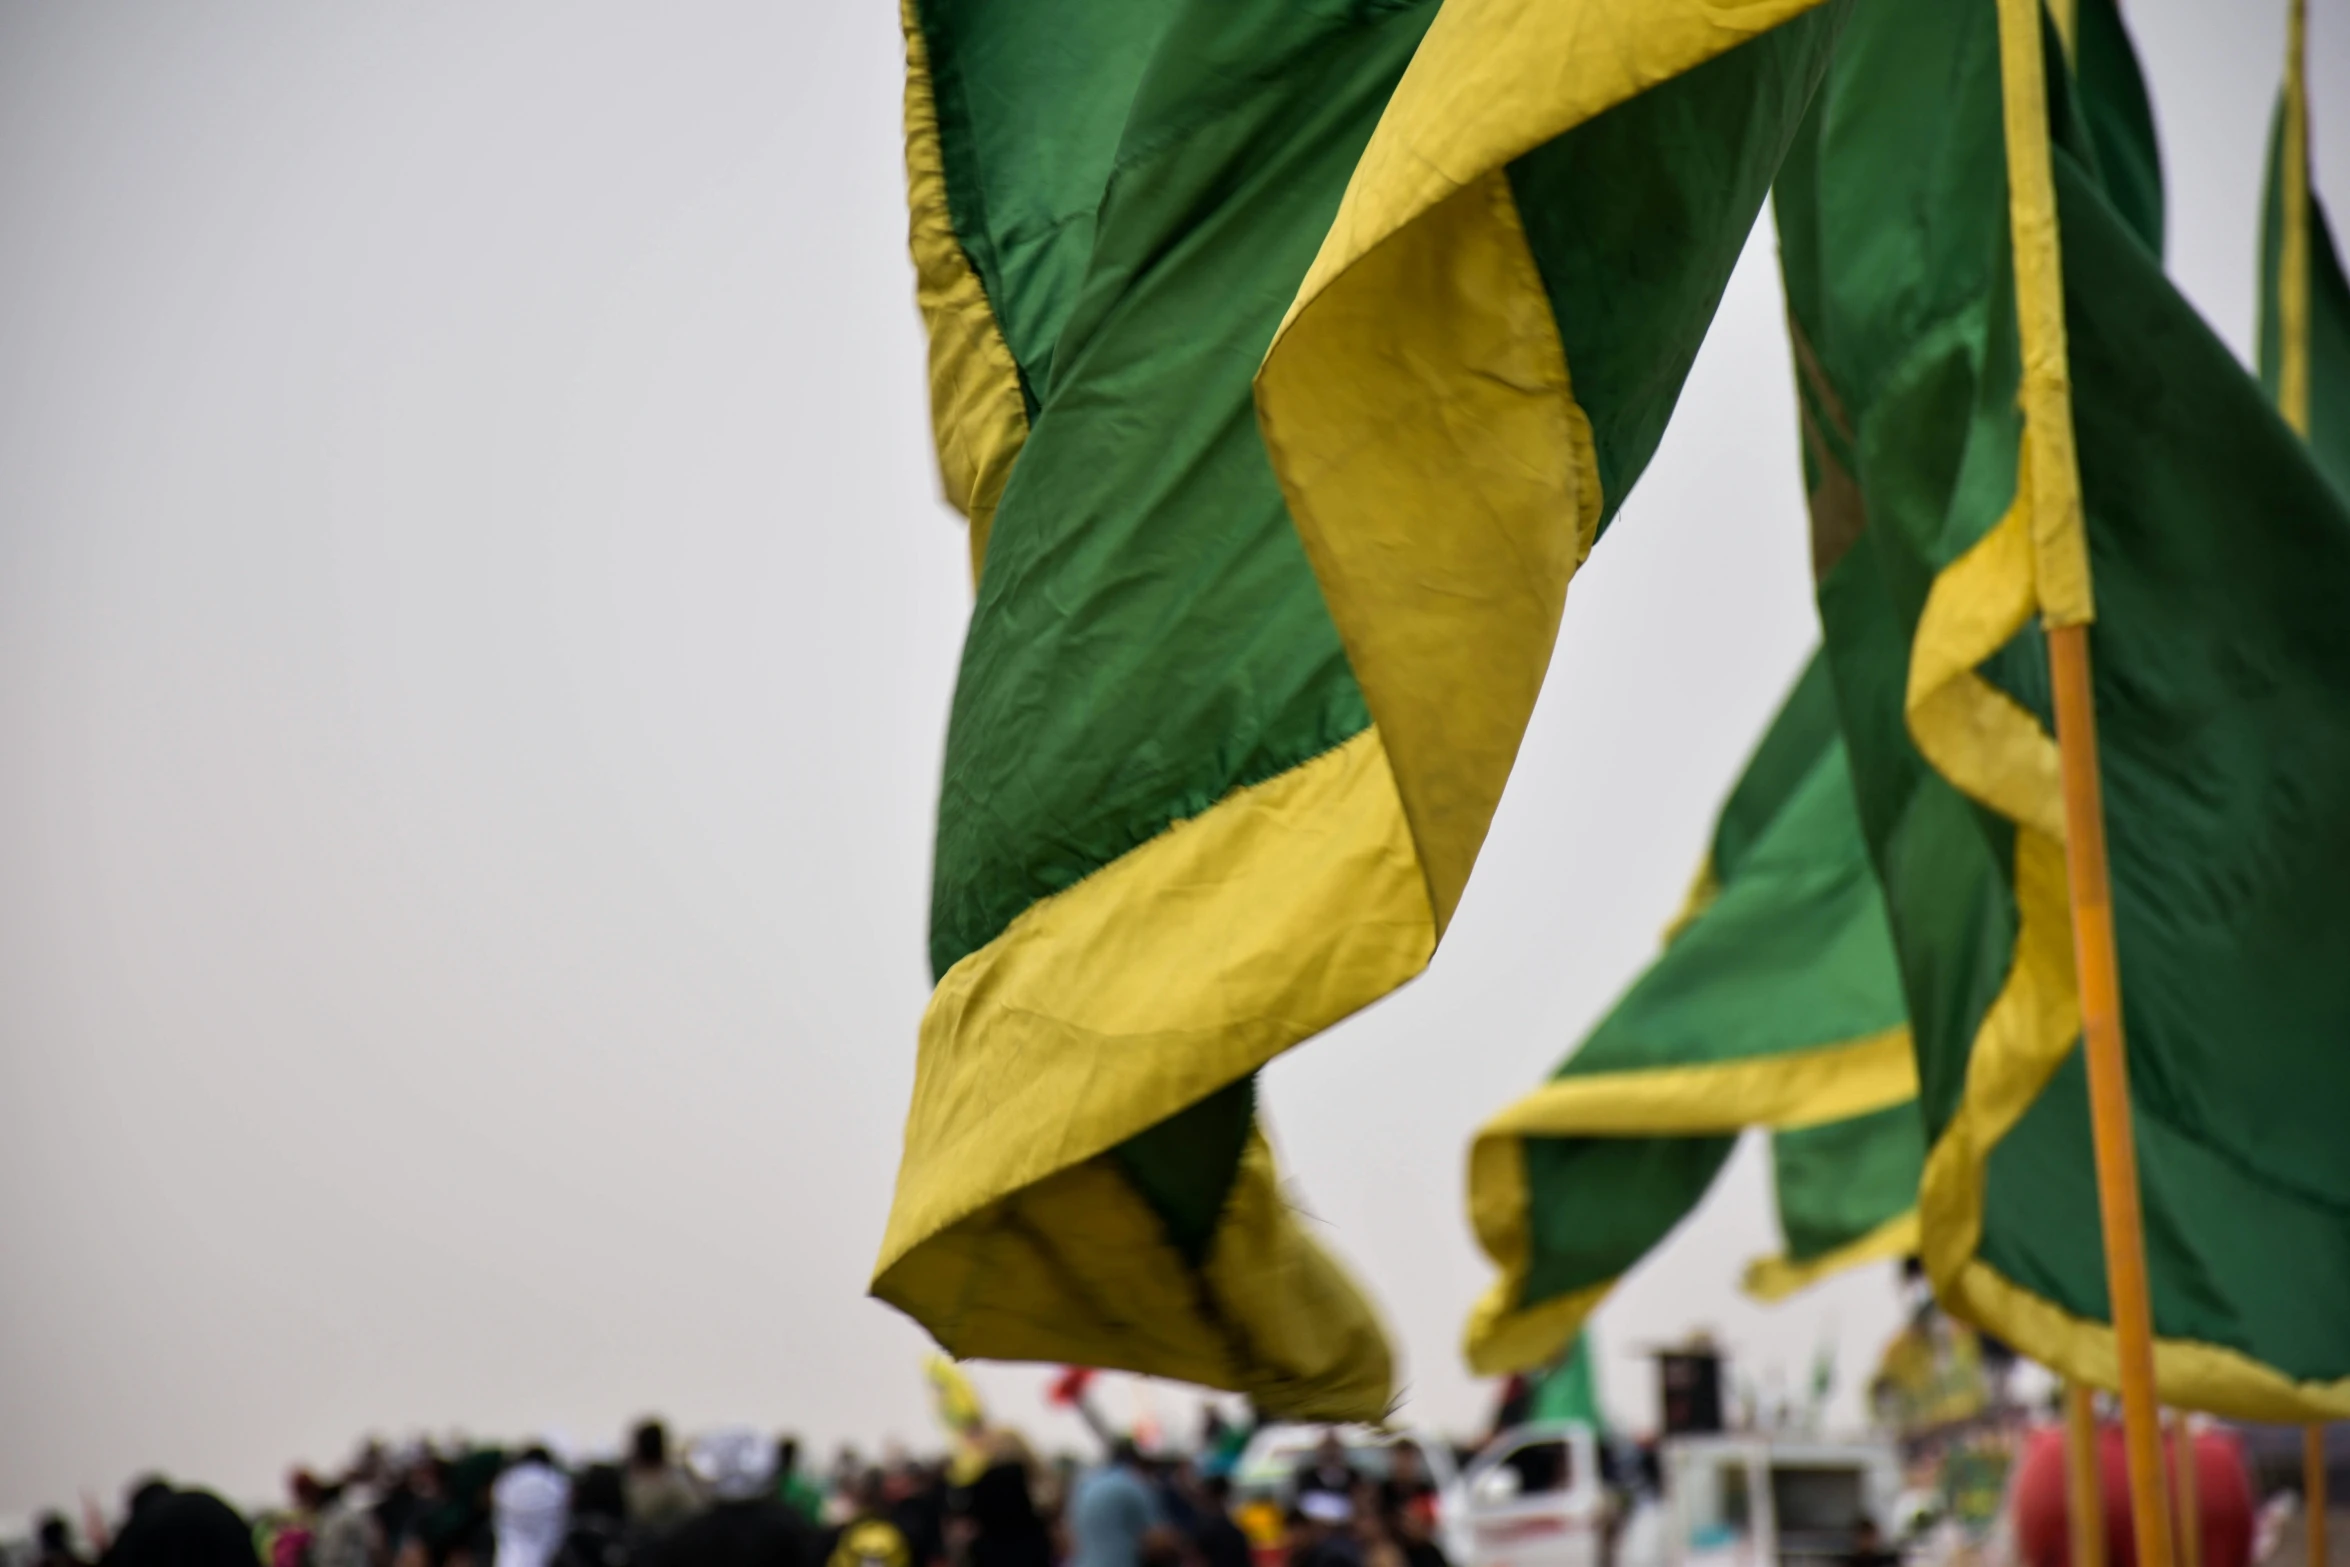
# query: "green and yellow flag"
1777,1003
2304,301
2220,561
1287,361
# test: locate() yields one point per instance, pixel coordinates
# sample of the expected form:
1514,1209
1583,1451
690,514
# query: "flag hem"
978,417
1175,970
1783,1092
1773,1279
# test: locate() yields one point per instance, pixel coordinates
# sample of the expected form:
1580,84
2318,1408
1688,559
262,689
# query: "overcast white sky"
476,627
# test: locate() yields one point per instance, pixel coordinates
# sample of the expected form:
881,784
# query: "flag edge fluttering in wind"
1386,857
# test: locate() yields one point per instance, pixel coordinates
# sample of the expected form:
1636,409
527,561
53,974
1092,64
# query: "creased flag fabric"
2220,558
1287,360
1777,1003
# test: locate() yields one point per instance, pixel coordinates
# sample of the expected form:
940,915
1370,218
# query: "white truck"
1534,1498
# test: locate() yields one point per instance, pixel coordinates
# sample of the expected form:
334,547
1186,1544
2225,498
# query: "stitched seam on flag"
1772,1279
1782,1092
1174,970
978,418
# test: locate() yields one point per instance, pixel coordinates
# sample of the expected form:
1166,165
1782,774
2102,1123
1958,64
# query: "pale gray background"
476,627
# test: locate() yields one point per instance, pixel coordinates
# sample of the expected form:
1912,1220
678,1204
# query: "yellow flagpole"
2084,1491
2189,1486
2049,477
2293,257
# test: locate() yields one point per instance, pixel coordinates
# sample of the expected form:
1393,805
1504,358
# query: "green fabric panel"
1597,1205
1185,1166
1148,635
1790,753
1642,212
2329,320
1793,954
2222,560
1838,1182
1568,1390
2120,119
1031,99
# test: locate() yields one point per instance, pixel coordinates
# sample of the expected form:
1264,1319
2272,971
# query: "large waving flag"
1777,1003
1287,361
2221,562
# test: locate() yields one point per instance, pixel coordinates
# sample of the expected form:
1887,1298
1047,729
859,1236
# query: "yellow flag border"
1781,1092
978,417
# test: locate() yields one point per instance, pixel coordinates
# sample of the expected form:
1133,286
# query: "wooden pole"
2109,1087
2313,1489
2049,481
2084,1492
2187,1484
2293,239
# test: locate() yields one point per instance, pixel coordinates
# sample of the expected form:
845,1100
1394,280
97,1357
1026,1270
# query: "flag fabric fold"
2221,557
1240,692
1776,1004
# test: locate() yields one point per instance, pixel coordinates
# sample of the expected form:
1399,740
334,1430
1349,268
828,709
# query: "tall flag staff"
2061,560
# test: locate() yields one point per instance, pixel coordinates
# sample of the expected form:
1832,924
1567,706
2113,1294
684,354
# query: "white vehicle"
1763,1501
1268,1468
1534,1498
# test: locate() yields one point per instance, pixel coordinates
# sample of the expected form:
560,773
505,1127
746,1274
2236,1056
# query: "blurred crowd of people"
741,1498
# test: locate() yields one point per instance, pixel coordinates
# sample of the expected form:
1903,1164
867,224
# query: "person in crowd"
53,1543
1114,1518
1327,1470
347,1535
1217,1540
868,1536
746,1523
998,1509
174,1528
530,1510
794,1489
660,1494
1321,1531
1868,1546
598,1534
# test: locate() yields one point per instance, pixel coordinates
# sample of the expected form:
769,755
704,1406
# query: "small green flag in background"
1287,361
2313,333
1776,1003
2221,565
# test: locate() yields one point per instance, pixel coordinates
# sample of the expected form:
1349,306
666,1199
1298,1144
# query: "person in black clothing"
1868,1547
746,1524
55,1543
171,1528
1000,1510
1328,1470
1215,1539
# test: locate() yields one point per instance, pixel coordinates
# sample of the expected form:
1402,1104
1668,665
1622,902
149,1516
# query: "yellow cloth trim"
977,416
1994,751
1417,404
1781,1092
1773,1279
1176,969
2293,263
1796,1088
2060,544
2066,14
1704,888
